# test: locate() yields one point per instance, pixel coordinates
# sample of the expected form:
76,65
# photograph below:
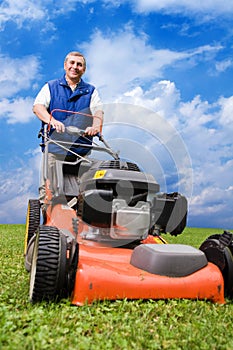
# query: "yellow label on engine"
160,240
99,174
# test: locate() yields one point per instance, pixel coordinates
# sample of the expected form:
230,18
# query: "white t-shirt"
44,97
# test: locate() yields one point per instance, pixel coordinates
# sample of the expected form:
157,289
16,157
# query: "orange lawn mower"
100,237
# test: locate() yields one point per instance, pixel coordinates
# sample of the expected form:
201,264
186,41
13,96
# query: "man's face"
74,67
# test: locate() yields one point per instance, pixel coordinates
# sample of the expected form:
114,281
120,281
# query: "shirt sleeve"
43,97
96,103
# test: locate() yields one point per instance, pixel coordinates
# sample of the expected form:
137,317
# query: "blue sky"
164,70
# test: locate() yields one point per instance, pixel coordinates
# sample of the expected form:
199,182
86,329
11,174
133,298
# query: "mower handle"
73,130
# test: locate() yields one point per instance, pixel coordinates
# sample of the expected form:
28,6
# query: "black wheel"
218,249
32,220
228,273
48,269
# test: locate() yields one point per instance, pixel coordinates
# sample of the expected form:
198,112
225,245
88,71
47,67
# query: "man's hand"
59,126
92,130
96,125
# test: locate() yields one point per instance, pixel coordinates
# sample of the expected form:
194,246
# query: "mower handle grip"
73,130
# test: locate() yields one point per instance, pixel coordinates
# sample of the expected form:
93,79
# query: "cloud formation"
17,185
184,7
18,110
206,130
26,11
19,11
130,60
17,74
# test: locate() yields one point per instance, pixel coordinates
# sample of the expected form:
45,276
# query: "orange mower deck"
106,273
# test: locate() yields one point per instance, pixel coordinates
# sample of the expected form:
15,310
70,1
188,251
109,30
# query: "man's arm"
97,112
40,108
42,113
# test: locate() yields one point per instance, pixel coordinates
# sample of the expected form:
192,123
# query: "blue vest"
62,97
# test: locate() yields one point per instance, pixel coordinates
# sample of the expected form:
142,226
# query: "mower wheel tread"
48,271
32,221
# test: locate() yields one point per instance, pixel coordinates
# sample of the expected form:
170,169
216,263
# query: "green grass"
172,324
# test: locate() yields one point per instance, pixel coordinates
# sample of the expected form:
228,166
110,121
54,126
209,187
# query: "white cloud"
222,66
226,115
21,10
17,186
187,7
161,97
212,207
17,74
16,111
129,60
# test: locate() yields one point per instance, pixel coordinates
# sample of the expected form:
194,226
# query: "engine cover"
125,179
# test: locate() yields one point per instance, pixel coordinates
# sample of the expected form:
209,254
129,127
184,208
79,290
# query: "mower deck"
107,274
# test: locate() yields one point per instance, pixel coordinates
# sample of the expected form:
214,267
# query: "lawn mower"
98,235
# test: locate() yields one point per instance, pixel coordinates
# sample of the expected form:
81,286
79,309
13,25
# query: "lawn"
140,325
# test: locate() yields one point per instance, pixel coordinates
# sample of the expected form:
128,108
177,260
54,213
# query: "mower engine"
120,202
